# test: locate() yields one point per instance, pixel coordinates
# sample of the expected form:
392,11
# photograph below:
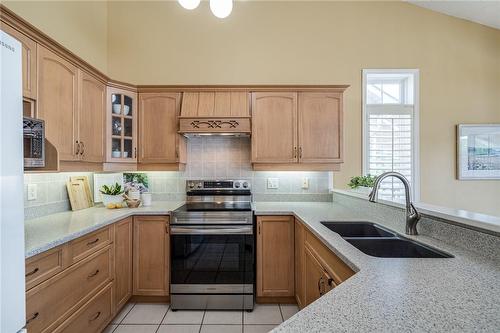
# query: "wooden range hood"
215,113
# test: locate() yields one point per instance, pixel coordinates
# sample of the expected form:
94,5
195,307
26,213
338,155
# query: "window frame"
415,184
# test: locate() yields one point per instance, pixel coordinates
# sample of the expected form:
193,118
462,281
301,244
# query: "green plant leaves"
111,190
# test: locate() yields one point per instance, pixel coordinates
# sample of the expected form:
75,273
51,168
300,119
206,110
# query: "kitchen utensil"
77,195
86,186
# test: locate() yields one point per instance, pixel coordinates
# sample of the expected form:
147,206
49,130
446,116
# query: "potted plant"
112,196
362,184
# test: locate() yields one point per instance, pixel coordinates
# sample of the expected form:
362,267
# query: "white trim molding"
415,123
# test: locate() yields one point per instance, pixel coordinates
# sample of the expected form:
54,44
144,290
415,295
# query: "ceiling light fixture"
189,4
221,8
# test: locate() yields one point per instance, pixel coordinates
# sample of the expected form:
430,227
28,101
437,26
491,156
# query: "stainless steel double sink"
377,241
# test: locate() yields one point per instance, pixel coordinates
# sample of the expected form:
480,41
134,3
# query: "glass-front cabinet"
121,126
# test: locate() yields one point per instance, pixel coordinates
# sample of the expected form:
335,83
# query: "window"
390,129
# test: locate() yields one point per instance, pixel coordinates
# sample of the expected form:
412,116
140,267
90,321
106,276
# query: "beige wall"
329,43
80,26
318,43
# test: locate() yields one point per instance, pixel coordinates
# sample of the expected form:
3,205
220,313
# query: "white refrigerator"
12,303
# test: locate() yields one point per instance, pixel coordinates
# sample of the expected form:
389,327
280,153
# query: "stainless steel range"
213,247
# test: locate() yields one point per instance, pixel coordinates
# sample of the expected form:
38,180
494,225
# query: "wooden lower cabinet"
123,262
299,264
275,256
313,273
320,269
151,274
49,303
93,316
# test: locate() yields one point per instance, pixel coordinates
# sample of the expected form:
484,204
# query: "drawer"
93,316
52,301
333,264
86,245
45,265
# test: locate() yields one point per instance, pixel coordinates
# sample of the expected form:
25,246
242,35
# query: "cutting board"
85,181
77,195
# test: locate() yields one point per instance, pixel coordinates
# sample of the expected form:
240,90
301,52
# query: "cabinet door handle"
83,148
135,152
32,272
93,242
294,152
93,274
35,315
176,152
95,316
166,228
258,227
300,152
319,286
330,282
77,148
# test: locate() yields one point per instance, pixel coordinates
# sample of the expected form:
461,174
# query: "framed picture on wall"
478,151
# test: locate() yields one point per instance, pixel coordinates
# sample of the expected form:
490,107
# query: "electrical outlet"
305,183
32,192
273,183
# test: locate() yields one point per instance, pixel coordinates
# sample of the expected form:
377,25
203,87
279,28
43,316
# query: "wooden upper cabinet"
274,127
58,102
28,60
320,127
91,113
215,111
121,126
215,104
151,256
275,256
158,137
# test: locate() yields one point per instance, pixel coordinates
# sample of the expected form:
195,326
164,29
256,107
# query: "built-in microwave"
34,142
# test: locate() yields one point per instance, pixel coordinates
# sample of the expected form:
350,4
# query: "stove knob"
245,185
199,185
237,185
191,185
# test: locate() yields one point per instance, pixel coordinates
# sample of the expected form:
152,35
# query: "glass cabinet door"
122,123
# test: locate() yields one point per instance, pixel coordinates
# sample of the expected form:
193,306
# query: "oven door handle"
210,230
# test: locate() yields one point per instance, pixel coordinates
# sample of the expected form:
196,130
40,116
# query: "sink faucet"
412,215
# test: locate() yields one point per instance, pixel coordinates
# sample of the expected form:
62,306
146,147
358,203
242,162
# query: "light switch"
32,192
305,183
273,183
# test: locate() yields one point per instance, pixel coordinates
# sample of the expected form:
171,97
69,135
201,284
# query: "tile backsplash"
208,157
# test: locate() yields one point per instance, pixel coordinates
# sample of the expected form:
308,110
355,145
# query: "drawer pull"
32,272
95,316
93,274
32,318
93,242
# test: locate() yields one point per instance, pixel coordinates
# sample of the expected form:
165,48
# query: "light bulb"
189,4
221,8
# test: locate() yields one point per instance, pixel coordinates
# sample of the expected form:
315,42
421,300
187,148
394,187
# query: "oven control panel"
240,184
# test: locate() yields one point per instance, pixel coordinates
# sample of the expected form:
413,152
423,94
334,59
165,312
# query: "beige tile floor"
158,318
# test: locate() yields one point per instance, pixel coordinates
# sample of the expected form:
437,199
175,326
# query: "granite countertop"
44,233
457,294
385,294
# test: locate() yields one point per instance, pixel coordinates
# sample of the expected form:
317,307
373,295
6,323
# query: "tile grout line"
202,320
162,319
133,306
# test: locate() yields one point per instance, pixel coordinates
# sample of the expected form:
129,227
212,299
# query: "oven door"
212,259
